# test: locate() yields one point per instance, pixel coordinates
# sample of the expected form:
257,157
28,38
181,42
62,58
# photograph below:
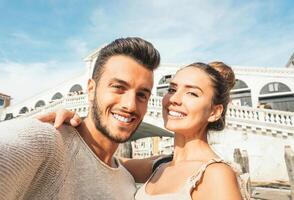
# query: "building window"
274,87
165,80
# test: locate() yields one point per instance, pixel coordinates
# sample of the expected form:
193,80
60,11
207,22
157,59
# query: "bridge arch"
76,88
162,87
241,94
277,96
56,96
23,110
40,103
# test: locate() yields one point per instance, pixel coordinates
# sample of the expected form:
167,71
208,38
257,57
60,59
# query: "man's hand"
61,116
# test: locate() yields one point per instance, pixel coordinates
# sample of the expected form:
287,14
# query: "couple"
37,162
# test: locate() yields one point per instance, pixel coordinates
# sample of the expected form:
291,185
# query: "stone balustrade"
261,121
276,123
261,115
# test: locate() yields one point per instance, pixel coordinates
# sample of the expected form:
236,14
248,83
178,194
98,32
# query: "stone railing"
285,72
76,103
265,121
278,118
79,103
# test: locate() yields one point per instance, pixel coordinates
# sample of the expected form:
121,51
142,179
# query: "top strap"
193,180
243,179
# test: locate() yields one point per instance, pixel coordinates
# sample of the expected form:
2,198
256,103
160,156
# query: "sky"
43,42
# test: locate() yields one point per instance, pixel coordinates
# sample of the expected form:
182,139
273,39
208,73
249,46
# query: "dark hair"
221,93
140,50
226,72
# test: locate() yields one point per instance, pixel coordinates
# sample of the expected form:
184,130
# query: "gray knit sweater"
40,162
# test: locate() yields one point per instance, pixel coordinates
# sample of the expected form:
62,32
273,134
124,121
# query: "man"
40,162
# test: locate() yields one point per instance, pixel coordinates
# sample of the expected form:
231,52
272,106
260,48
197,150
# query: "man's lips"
123,118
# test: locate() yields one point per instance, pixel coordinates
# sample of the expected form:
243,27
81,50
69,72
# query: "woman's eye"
193,94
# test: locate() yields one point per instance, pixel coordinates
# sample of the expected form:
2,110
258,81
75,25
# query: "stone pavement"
270,193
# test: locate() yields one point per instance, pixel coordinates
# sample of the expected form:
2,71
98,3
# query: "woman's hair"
226,72
221,94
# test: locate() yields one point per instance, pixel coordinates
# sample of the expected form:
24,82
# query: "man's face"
121,98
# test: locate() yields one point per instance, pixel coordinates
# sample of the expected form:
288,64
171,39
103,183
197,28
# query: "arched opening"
23,110
75,90
277,96
39,104
56,96
241,94
8,116
163,85
1,103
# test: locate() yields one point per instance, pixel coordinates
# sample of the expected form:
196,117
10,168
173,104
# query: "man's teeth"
175,114
121,118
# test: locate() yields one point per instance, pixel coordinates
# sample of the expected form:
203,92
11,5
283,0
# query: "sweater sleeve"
26,147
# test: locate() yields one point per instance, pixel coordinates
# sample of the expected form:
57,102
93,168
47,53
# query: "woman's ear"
91,89
216,113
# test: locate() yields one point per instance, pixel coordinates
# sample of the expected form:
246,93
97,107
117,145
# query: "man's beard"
96,113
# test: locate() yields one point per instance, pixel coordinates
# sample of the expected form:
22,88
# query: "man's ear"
91,89
216,113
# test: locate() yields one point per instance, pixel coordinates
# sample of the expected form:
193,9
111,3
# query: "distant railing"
248,114
240,115
76,103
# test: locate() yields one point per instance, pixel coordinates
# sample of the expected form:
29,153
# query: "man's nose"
128,102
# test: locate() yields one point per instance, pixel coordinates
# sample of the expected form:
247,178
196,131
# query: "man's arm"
24,147
141,169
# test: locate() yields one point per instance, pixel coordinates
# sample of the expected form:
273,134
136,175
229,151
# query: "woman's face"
188,104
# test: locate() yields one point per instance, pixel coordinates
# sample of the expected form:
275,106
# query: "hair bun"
226,72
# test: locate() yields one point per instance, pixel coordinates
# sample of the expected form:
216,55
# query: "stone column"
289,159
125,150
241,158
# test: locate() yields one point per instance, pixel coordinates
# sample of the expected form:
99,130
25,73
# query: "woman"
196,103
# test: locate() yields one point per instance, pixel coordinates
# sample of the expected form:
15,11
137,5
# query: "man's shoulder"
25,124
26,129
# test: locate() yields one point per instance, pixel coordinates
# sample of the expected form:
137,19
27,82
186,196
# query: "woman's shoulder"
220,172
219,177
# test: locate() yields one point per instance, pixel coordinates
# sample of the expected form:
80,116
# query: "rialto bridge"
262,132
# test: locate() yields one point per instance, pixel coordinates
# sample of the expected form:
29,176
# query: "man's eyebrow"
120,81
128,85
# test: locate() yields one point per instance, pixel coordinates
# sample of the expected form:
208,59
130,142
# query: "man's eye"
142,96
171,90
118,87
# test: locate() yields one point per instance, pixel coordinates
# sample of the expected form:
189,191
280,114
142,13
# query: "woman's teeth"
175,114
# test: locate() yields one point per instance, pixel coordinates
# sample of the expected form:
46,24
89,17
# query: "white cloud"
79,47
21,81
193,30
22,37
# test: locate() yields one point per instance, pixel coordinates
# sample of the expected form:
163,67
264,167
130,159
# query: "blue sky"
44,42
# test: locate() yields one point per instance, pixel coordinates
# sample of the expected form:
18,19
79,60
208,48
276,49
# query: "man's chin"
122,137
119,140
